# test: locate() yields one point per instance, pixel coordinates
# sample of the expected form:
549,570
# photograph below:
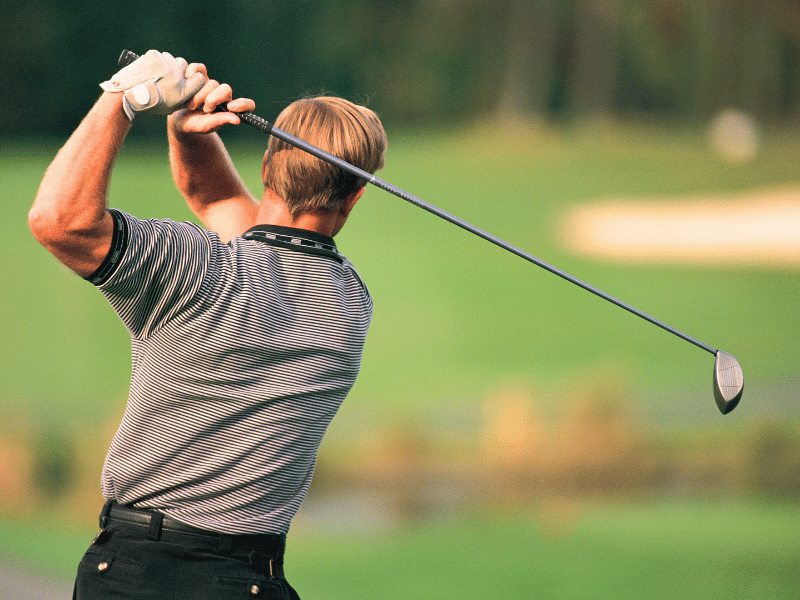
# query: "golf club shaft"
266,127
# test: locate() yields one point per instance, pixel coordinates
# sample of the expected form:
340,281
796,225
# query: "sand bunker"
760,228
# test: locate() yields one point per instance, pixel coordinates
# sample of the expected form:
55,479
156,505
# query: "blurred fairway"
455,317
666,550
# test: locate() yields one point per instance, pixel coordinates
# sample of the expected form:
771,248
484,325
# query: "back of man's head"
350,132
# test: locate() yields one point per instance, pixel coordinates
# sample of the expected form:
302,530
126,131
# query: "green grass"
455,317
455,320
663,550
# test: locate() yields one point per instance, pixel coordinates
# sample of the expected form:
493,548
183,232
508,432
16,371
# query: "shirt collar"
293,238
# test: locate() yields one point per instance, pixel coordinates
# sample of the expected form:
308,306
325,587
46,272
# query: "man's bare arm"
69,213
201,166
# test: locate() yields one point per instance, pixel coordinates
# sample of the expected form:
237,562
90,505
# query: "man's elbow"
41,224
52,228
79,243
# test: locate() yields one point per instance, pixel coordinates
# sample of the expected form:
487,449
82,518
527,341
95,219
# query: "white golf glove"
156,83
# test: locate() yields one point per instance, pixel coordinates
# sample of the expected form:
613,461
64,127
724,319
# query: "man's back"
255,347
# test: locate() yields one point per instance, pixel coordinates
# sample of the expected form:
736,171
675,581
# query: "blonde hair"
348,131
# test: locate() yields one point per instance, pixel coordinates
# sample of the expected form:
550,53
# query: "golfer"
247,334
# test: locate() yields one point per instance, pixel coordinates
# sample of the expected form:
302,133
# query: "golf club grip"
265,126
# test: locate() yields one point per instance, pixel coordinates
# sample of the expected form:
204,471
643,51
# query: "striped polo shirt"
241,355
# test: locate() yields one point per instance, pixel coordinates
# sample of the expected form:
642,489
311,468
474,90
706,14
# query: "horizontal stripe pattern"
241,355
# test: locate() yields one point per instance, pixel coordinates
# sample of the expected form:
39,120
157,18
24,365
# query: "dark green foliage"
415,60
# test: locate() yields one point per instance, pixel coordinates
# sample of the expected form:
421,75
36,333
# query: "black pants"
124,564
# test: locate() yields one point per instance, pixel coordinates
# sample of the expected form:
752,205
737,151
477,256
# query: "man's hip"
142,554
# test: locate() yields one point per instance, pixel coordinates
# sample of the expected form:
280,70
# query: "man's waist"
154,524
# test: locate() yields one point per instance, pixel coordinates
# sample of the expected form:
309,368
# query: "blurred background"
509,434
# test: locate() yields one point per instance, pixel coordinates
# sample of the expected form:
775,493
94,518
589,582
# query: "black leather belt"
155,524
139,516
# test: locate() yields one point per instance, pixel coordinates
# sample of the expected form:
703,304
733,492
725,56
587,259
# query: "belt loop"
154,530
259,562
104,513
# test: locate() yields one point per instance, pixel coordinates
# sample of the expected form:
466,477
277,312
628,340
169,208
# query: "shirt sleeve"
153,270
119,242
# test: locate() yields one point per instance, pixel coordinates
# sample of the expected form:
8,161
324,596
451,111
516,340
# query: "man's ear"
350,202
344,210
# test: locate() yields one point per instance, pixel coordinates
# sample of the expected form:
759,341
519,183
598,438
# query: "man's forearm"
69,213
206,176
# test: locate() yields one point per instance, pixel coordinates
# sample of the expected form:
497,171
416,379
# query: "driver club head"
728,382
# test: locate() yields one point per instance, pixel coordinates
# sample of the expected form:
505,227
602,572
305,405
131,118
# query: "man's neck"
273,211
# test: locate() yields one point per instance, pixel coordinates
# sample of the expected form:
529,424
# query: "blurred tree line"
418,61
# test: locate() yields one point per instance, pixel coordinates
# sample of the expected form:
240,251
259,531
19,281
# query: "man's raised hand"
156,82
199,114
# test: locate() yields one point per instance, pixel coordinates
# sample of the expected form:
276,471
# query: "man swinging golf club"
728,377
246,335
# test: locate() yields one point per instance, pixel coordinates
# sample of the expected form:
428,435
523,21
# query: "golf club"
728,376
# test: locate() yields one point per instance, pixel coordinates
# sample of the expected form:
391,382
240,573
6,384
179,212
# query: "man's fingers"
197,100
196,68
201,116
241,105
214,94
192,121
220,94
